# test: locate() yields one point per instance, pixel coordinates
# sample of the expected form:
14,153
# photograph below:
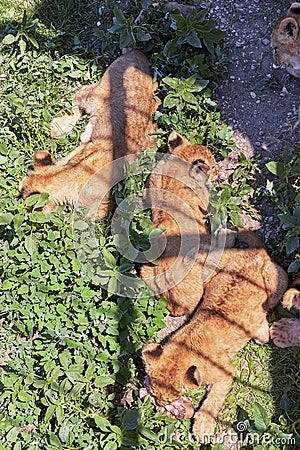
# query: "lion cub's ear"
42,159
175,140
151,353
192,378
288,30
294,9
291,298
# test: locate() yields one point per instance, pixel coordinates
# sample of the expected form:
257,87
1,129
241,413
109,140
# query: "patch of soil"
257,101
261,102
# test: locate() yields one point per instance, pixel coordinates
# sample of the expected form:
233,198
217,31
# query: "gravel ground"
260,102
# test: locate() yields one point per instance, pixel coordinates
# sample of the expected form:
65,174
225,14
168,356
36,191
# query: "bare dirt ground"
260,102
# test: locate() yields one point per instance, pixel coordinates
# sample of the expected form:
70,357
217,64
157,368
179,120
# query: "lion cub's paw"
203,427
286,332
65,123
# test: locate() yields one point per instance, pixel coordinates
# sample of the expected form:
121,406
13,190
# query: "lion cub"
285,41
233,310
121,106
179,198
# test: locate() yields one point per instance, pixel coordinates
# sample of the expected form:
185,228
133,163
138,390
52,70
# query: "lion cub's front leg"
205,419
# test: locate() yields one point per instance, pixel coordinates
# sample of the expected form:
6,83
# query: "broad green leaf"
189,98
236,219
18,220
119,15
60,415
126,38
174,83
30,244
49,413
170,101
109,258
22,45
209,45
193,39
33,41
292,244
102,423
277,168
12,435
8,39
260,417
147,433
55,441
80,225
131,419
143,37
6,218
294,266
105,380
24,397
64,433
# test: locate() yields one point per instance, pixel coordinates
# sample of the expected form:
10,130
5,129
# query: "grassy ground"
69,349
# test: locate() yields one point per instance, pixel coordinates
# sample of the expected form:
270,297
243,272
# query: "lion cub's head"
34,182
199,156
285,41
171,374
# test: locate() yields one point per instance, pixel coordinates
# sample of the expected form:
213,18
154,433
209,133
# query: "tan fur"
233,310
285,41
286,331
120,105
189,206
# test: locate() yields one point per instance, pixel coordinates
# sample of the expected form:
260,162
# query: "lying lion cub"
233,310
120,105
285,41
286,332
179,200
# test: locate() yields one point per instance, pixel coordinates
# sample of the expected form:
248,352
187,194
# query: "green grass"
70,350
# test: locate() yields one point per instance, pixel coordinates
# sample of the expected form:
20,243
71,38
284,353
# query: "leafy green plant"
22,34
146,26
286,196
189,110
226,203
245,169
262,433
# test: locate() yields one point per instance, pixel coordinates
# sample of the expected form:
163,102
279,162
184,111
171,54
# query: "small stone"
266,41
284,90
252,95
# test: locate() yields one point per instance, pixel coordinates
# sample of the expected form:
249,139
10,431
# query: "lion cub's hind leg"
63,124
